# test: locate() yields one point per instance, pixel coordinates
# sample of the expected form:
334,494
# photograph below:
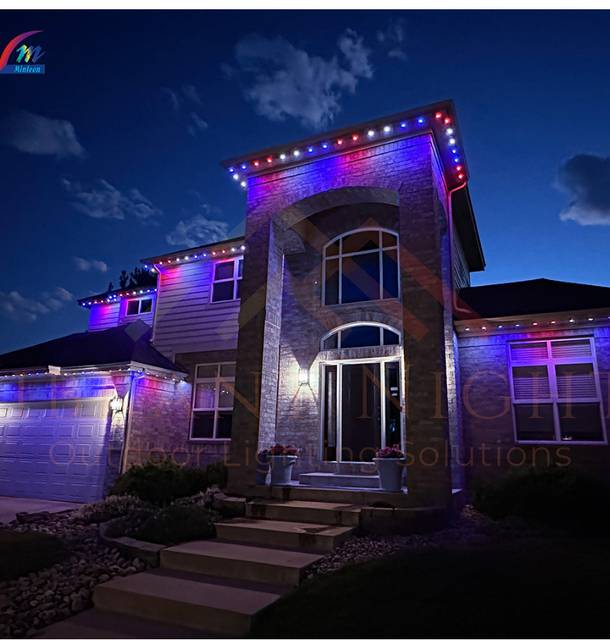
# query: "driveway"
10,507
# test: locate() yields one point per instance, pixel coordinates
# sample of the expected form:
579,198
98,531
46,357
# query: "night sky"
114,154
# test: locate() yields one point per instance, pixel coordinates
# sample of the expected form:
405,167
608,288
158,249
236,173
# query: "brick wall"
403,173
490,447
160,417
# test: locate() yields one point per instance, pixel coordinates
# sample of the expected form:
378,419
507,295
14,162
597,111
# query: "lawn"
543,587
22,553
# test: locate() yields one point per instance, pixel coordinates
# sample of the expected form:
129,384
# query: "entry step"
339,480
331,513
281,533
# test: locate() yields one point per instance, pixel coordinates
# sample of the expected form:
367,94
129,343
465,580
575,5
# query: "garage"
54,450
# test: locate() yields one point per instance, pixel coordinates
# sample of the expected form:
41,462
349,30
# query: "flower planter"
281,469
262,468
390,473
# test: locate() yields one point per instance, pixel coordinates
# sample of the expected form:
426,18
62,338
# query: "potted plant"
390,464
282,459
262,466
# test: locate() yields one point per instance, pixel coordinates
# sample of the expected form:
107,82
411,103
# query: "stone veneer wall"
490,447
407,168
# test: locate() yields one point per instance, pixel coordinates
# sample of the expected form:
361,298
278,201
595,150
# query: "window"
360,266
227,279
136,307
213,400
360,335
555,391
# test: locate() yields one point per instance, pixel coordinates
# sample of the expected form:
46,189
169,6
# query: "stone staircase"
216,587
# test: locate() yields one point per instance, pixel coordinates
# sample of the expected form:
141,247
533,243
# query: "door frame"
339,362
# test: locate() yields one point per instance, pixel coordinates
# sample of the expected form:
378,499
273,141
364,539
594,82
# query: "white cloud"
283,81
17,307
82,264
32,133
586,178
197,125
191,93
103,200
199,229
393,39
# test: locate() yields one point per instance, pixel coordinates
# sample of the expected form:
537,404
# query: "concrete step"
354,497
179,600
330,513
281,533
339,480
240,561
103,624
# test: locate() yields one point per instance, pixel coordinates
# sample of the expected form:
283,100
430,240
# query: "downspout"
464,184
127,430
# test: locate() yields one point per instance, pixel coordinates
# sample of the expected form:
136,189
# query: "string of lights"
439,120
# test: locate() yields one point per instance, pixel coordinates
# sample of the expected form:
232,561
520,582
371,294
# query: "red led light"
340,141
269,159
459,167
461,176
355,137
438,115
256,163
447,120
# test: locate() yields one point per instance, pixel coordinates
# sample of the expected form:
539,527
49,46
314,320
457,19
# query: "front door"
361,409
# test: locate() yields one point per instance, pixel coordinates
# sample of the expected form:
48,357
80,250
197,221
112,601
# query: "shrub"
177,523
129,524
24,552
162,482
111,507
556,497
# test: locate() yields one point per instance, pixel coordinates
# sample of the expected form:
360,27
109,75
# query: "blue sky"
114,154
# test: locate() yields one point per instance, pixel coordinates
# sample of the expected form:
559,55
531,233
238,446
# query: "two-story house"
342,322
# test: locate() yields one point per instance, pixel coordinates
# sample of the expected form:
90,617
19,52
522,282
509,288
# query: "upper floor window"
555,391
227,278
213,400
136,307
360,335
361,265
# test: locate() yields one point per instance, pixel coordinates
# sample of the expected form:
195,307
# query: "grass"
22,553
536,588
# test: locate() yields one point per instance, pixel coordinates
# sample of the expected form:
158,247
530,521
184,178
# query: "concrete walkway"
10,507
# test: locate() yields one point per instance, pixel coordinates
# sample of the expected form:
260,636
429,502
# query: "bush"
556,497
23,553
129,524
111,507
162,482
177,523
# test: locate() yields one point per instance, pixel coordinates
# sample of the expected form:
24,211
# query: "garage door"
54,450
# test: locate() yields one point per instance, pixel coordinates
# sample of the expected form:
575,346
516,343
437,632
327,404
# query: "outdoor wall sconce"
303,376
116,404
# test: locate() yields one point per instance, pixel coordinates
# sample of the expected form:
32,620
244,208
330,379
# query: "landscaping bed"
53,562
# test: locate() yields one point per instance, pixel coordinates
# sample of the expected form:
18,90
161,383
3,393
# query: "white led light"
296,153
451,141
370,133
282,156
387,128
449,131
236,176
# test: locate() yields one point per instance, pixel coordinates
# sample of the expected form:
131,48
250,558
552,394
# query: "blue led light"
309,149
421,120
231,169
403,125
325,145
244,166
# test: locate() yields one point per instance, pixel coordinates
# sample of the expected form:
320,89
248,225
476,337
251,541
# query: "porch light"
303,376
116,404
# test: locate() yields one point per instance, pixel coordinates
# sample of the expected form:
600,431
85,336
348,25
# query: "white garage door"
54,450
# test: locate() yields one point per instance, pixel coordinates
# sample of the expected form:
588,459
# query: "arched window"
361,265
371,334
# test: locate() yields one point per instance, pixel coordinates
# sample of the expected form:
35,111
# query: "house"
343,321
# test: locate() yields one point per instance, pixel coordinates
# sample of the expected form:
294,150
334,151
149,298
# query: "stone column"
254,413
426,288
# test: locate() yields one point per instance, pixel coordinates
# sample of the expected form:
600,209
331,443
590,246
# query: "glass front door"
361,409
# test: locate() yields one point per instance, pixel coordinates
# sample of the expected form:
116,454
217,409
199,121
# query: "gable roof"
529,297
124,344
